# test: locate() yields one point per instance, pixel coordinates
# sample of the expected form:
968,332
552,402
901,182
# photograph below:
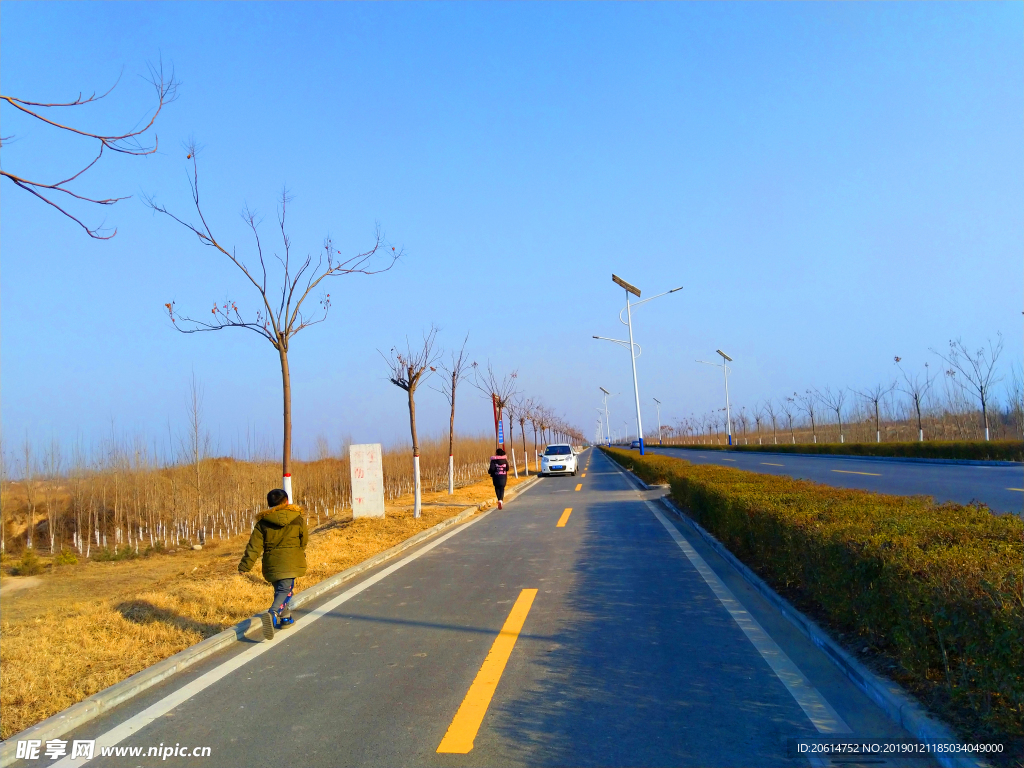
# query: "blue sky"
833,184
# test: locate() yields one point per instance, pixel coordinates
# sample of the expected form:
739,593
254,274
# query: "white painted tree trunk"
451,475
878,436
986,434
920,435
417,500
286,486
841,438
515,467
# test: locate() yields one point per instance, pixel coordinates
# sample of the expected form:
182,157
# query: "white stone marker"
367,480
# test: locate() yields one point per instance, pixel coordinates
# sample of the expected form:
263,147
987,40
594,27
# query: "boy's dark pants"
499,486
283,589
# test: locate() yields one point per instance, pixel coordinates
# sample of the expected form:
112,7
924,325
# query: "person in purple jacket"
499,474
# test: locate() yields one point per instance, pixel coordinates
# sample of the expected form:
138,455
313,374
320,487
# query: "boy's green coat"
280,534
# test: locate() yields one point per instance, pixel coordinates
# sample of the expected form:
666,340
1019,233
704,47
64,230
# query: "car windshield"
557,450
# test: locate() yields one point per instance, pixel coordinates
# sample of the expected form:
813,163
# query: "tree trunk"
286,391
417,501
526,456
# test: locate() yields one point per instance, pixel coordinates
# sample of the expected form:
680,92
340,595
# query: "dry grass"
86,627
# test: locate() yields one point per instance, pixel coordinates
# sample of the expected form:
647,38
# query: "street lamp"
724,367
659,419
604,400
634,349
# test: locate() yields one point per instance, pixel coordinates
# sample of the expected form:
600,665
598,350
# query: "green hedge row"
996,450
936,587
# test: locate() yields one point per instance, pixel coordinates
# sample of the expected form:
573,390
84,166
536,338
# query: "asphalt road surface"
608,635
1001,488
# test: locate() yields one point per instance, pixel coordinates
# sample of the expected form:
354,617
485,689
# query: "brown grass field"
78,629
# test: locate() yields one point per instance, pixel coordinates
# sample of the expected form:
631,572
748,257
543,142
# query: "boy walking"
280,535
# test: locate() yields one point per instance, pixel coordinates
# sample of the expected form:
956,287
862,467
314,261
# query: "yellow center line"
462,732
848,472
584,474
578,487
564,518
1015,489
769,464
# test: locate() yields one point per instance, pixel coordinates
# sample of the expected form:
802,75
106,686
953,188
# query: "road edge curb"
92,707
899,705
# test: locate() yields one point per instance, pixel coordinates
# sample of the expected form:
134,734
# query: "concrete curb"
906,459
899,705
77,714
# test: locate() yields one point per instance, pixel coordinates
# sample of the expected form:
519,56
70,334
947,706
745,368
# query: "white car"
558,459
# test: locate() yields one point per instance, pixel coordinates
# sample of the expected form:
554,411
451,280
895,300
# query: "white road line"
814,705
820,712
139,721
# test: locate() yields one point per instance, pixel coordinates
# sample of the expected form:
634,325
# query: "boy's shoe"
284,619
269,624
499,505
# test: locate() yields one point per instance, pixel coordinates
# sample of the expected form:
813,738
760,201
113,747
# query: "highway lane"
1001,488
627,654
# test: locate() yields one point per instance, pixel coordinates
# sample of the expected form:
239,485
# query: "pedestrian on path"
499,474
281,536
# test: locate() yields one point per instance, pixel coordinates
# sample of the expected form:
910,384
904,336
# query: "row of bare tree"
912,405
413,365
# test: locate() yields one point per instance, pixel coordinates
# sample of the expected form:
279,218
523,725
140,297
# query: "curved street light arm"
622,344
652,298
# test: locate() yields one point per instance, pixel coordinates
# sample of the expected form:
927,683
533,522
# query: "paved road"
626,641
1001,488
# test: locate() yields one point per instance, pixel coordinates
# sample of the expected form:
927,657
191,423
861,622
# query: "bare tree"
786,405
1016,396
874,396
500,391
977,369
524,407
744,423
534,417
808,404
512,412
128,143
758,419
916,388
277,320
28,468
454,372
834,400
53,465
407,372
196,446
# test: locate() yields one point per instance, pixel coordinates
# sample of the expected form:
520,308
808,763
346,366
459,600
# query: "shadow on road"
644,666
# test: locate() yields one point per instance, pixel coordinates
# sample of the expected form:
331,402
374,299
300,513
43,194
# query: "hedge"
937,587
974,450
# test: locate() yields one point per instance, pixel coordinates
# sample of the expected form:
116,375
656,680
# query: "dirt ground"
78,629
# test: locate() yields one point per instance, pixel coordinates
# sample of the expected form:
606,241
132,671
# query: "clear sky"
834,184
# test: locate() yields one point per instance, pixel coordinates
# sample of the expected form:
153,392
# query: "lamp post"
634,348
724,367
656,400
604,400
